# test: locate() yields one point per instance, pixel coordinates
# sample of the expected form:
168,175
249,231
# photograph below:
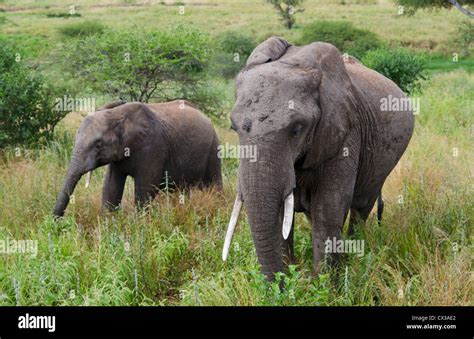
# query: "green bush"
82,29
27,113
404,68
235,42
231,53
287,10
465,37
137,65
347,38
63,15
142,65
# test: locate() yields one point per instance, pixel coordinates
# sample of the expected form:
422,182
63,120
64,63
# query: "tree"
422,4
27,101
287,10
138,65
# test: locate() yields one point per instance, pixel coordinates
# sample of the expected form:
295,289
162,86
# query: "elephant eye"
295,130
99,144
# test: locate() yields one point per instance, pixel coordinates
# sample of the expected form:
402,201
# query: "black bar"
256,321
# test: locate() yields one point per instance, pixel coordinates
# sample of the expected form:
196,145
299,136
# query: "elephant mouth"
300,159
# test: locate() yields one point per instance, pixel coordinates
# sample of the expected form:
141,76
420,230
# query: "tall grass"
170,253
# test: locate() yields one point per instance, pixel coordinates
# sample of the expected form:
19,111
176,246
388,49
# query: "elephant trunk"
74,174
264,185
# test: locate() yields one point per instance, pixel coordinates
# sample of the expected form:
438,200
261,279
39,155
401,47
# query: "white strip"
88,179
230,229
288,216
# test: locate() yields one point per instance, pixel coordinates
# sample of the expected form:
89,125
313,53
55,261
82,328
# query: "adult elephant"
325,144
144,141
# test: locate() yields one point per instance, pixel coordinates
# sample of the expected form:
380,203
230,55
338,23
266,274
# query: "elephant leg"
327,227
147,185
112,190
361,214
145,191
357,215
380,206
330,205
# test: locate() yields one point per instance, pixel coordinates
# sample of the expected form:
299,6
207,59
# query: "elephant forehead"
93,126
273,83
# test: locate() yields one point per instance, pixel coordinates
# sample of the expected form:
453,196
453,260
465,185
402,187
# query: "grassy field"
170,253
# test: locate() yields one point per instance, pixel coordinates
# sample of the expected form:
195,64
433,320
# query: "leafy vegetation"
287,10
342,34
406,69
414,5
82,29
138,66
63,15
465,37
231,53
27,113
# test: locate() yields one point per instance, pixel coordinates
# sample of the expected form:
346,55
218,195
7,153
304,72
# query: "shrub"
347,38
232,51
287,9
404,68
234,42
138,65
82,29
27,102
465,37
63,15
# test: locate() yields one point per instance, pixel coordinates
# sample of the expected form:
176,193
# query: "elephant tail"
380,205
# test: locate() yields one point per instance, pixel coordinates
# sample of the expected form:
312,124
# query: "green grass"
446,64
170,253
82,29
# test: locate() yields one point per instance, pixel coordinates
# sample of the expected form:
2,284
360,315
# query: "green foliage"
82,29
287,10
27,112
63,15
235,42
231,53
342,34
429,4
406,69
411,6
138,65
465,37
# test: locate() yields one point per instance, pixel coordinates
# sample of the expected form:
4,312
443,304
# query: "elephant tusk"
230,229
88,179
288,215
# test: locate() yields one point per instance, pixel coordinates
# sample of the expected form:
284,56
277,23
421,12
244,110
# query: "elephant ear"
338,101
131,122
269,50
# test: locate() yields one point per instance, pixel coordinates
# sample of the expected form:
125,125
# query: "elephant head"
105,136
295,105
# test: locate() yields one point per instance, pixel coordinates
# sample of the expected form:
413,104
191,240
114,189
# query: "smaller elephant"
145,141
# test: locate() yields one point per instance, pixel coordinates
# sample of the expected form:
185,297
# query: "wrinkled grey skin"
333,149
144,141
